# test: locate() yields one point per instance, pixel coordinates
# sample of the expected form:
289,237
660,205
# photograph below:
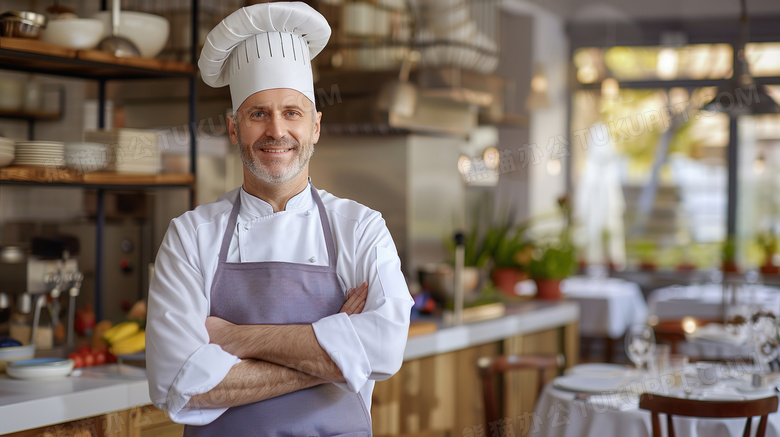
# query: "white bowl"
148,32
74,33
40,368
15,353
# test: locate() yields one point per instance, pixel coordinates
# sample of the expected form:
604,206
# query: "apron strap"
325,228
231,228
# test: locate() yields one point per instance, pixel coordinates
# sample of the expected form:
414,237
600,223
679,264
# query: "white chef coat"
367,347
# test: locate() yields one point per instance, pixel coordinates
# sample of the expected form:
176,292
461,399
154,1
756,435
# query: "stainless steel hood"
446,101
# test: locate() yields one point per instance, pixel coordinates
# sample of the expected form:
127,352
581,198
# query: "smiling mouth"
275,150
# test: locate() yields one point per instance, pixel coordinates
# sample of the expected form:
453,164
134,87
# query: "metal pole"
195,16
100,222
733,167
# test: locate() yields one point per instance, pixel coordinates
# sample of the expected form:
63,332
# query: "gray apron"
283,293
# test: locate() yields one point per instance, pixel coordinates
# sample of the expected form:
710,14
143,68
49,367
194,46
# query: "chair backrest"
672,406
490,366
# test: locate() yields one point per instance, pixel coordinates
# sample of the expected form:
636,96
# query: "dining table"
608,306
602,400
705,302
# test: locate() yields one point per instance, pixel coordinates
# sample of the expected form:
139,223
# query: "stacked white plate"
41,153
7,147
134,150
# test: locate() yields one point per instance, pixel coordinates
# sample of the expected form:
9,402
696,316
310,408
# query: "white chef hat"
264,46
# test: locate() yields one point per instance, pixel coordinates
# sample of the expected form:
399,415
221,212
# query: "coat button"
308,213
312,259
247,227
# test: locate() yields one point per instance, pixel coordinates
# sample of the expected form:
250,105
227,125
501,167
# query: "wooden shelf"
62,176
31,115
38,56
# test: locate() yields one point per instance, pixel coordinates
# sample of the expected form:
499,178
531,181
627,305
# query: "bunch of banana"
125,338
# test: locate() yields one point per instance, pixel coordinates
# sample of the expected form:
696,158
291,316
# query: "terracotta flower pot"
730,267
505,278
770,269
548,289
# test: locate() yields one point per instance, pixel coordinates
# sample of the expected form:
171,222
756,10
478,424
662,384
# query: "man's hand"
356,300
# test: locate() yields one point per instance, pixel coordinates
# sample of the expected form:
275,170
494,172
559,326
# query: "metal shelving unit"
39,57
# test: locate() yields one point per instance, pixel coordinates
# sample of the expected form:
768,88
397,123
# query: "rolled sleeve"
337,336
370,345
205,369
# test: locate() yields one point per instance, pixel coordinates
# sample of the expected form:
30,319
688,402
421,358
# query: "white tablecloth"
705,301
608,306
558,414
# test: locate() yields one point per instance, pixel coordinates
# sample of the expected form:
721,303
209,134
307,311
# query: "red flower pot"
548,289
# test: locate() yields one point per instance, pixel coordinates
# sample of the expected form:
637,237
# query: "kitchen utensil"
40,368
149,32
118,46
22,24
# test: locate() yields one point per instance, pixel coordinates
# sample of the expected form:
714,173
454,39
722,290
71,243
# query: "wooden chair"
707,409
490,366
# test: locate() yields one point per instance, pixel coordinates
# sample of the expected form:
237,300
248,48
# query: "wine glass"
640,344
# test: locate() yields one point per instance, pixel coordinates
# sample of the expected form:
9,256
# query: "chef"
274,309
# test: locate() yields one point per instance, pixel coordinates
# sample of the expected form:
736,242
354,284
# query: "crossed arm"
276,359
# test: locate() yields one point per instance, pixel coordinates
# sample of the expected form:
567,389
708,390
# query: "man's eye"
257,114
291,113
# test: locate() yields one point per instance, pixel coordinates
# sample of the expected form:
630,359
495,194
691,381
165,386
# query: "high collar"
254,207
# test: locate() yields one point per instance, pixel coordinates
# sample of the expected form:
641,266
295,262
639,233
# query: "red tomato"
89,359
78,361
100,357
83,350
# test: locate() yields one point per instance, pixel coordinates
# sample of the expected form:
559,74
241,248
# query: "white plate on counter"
40,368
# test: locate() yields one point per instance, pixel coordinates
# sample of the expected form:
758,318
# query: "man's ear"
316,135
232,129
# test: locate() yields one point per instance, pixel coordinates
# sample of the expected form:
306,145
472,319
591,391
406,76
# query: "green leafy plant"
768,243
728,251
556,259
497,242
510,247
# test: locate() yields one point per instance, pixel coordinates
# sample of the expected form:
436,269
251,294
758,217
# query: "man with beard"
251,329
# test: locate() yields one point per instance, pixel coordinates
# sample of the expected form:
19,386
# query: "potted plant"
511,253
729,254
768,243
550,264
555,260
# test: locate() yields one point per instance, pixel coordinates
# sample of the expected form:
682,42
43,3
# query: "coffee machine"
40,277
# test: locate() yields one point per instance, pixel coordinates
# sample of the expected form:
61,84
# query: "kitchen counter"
33,404
524,318
96,391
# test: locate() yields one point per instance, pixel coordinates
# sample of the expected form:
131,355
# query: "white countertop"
531,316
33,404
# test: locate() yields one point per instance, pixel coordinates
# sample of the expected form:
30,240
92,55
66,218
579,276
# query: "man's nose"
277,128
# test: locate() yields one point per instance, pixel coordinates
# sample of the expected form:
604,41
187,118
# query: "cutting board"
422,328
